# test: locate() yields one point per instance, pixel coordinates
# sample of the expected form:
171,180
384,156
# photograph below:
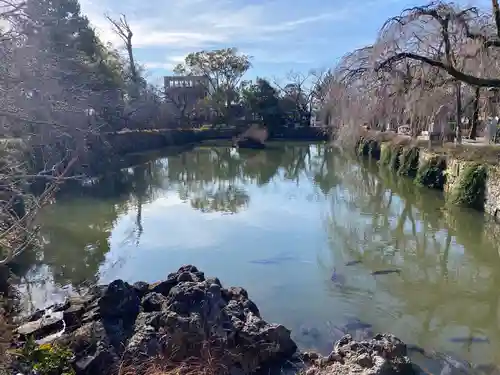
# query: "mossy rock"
394,161
469,190
408,161
360,145
432,173
368,147
386,150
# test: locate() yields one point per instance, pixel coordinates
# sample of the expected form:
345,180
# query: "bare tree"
47,112
440,34
123,30
427,57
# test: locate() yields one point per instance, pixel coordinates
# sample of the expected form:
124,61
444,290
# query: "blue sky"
281,35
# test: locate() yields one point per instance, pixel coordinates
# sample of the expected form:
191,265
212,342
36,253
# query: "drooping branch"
464,77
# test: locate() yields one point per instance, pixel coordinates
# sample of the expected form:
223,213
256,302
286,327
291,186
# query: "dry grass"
212,360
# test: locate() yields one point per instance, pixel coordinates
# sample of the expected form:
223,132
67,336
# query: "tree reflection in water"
411,229
372,215
76,230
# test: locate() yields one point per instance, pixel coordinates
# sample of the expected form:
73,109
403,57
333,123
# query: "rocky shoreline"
189,324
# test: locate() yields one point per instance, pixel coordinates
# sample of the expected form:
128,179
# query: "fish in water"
310,331
337,277
385,272
264,261
416,349
358,329
472,339
275,260
451,364
353,262
356,325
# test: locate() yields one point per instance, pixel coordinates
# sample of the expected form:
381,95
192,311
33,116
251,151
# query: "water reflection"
234,214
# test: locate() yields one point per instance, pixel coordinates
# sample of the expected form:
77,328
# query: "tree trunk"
458,130
496,13
475,114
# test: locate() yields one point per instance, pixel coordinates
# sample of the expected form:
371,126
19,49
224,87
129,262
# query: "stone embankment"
186,324
469,175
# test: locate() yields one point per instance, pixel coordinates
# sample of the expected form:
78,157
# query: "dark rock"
199,312
86,338
85,300
141,288
97,291
119,300
188,268
384,354
153,302
60,306
214,280
73,314
152,319
102,362
164,287
185,276
91,315
36,315
144,342
198,276
190,316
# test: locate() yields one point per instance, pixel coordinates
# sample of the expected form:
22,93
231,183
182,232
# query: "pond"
279,222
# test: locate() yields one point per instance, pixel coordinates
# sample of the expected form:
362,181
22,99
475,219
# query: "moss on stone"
470,188
368,147
385,153
408,161
360,146
431,173
395,153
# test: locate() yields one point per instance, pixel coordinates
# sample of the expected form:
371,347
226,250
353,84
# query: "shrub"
46,359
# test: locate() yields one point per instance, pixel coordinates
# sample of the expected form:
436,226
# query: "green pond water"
278,222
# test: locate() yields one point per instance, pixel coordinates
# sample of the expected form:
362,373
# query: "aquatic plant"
469,189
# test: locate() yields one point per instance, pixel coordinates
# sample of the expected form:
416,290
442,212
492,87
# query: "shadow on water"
324,210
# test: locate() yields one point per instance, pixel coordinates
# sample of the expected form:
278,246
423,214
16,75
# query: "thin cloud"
274,32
